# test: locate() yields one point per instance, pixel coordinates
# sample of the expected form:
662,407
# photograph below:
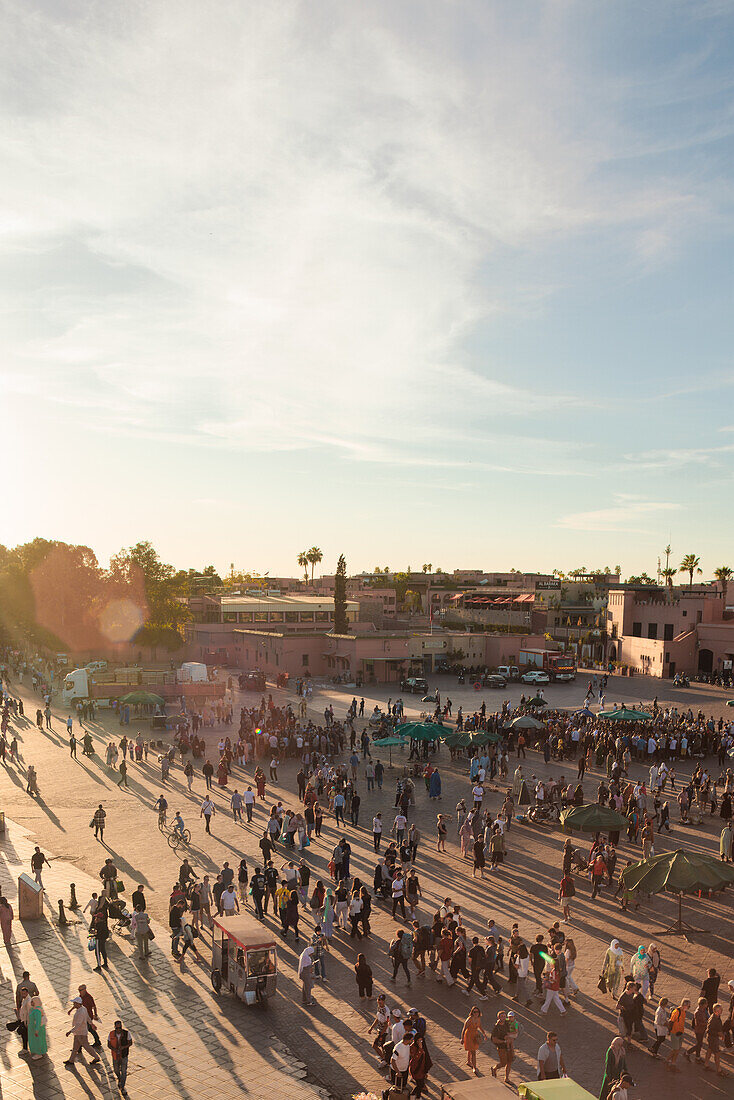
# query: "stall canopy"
142,698
525,722
421,731
625,714
592,818
678,873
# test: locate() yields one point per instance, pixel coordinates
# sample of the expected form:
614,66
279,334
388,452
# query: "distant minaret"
659,571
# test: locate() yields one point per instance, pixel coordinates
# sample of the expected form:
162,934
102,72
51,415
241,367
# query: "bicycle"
176,839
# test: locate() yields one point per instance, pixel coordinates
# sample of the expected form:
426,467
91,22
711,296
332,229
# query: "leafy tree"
166,612
724,574
341,624
313,556
643,578
690,565
303,562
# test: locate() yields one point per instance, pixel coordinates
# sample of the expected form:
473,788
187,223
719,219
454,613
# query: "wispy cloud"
259,224
625,514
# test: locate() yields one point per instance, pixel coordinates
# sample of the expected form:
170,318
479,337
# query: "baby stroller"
117,912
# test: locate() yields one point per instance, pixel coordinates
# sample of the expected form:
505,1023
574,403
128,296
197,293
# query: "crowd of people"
433,939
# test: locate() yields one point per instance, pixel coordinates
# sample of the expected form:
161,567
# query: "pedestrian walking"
37,1041
208,811
363,974
472,1035
38,861
79,1030
6,921
119,1042
305,973
98,823
140,931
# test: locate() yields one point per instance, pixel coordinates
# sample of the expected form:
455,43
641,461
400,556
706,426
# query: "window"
667,658
699,616
652,630
636,630
322,616
229,616
245,616
276,616
304,659
291,616
307,616
685,614
668,632
614,630
261,616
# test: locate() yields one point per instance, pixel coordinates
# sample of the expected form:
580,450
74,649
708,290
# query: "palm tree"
723,575
690,565
303,562
668,552
668,573
314,556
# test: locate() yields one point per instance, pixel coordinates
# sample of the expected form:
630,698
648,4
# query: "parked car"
535,676
495,681
510,672
416,685
96,666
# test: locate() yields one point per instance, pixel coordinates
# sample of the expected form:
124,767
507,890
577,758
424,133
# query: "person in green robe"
37,1041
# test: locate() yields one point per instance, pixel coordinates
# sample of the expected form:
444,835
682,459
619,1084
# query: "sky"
446,281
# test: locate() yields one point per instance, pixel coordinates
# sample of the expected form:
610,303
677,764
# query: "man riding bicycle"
161,806
178,825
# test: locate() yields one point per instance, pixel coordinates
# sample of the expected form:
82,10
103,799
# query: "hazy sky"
416,281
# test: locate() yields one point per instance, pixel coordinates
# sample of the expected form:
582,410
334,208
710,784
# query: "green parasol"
536,701
389,743
592,818
421,731
525,722
457,739
485,737
625,714
680,873
140,698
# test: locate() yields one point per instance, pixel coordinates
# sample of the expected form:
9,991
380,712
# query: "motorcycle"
544,812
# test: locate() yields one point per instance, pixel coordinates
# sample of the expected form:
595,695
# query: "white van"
510,672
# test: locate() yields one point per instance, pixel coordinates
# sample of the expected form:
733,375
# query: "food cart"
244,958
562,1089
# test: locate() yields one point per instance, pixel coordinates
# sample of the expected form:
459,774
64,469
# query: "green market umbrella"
525,722
389,743
421,731
679,873
485,737
625,714
139,698
592,818
536,702
457,739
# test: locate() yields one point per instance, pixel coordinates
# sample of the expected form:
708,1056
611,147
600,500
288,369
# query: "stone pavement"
187,1042
330,1040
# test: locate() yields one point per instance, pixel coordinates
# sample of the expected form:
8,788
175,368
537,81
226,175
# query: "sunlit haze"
443,282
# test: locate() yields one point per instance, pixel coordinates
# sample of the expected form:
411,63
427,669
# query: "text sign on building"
548,586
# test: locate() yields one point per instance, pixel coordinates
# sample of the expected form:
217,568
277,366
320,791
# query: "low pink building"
659,632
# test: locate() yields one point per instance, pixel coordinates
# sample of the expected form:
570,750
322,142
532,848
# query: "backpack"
406,945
